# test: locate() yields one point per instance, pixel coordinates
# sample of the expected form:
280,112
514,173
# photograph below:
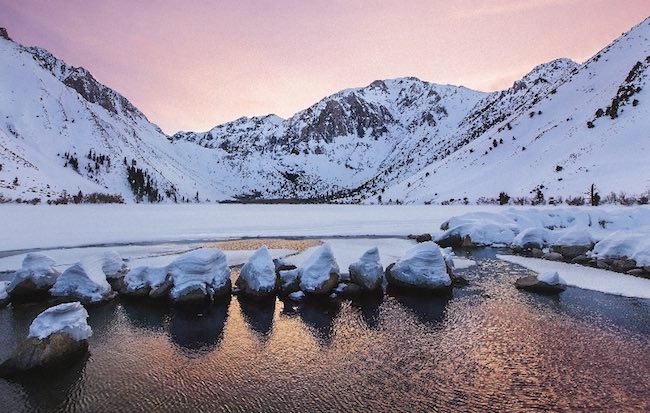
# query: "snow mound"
84,281
534,237
202,270
634,245
257,276
68,318
551,278
574,236
37,269
320,272
423,266
368,271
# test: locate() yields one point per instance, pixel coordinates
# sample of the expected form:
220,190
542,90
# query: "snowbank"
534,237
257,276
422,267
68,318
631,244
586,277
85,281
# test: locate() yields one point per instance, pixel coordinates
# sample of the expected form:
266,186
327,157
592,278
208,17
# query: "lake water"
489,348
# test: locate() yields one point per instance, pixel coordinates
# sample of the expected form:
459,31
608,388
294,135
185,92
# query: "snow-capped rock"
84,281
320,273
57,337
368,271
529,238
544,283
199,275
68,318
422,268
4,296
34,279
289,281
154,282
257,276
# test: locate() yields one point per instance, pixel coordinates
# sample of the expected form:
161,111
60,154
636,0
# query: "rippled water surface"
490,347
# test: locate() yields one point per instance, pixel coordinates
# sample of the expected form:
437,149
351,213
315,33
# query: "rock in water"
154,282
4,296
422,268
368,272
320,273
85,281
546,283
32,282
57,336
115,269
257,277
199,275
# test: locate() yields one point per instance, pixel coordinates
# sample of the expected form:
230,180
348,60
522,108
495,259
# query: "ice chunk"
368,271
257,276
68,318
422,267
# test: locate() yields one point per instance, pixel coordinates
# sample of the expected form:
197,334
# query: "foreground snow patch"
588,278
69,318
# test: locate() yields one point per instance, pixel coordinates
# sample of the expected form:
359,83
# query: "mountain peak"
4,34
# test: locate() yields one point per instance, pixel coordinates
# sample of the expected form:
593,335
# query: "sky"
190,65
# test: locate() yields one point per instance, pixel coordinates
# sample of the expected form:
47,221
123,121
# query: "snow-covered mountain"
560,128
590,127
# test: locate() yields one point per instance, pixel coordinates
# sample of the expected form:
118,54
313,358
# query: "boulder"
637,272
351,290
422,268
115,269
570,252
281,265
257,277
536,253
320,273
553,256
152,282
58,336
573,242
85,281
622,265
368,273
32,282
423,238
289,281
546,283
198,276
581,259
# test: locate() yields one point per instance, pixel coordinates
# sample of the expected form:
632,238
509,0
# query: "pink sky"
189,65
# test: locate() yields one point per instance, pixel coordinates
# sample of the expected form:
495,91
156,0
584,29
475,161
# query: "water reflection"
368,307
428,309
145,315
198,331
258,315
319,317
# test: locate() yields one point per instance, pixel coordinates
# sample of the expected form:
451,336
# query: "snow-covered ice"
68,318
586,277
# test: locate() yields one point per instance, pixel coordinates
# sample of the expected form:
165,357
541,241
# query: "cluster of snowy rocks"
203,275
617,240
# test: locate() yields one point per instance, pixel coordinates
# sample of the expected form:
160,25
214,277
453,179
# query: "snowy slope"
591,127
54,116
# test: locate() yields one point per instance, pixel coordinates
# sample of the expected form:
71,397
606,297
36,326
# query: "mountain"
559,129
336,145
590,127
